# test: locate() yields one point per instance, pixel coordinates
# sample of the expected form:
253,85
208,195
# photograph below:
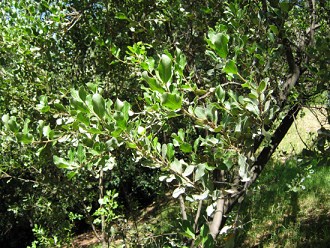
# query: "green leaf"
238,127
98,105
125,110
131,145
81,154
121,16
165,68
43,105
78,105
274,29
59,106
119,104
262,86
185,147
200,113
47,132
94,130
266,106
92,87
82,93
25,138
188,230
170,151
189,169
252,108
26,126
220,43
220,93
230,67
62,163
120,120
243,168
153,84
13,126
83,118
171,101
71,175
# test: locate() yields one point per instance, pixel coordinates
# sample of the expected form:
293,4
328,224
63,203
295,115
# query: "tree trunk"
218,218
225,205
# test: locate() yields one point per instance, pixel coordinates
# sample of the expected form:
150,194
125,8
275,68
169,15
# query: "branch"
200,203
183,208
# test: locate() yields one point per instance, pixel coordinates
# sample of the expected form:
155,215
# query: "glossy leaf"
170,151
200,113
165,68
63,164
176,166
189,170
200,172
13,126
230,67
185,147
171,101
220,93
219,42
153,84
98,105
262,86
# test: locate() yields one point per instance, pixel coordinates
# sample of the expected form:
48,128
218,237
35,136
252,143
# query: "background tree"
198,90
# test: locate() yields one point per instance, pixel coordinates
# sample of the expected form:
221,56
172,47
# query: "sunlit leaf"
220,93
230,67
189,169
121,16
178,191
5,118
176,166
262,86
170,151
153,84
98,105
200,113
171,101
186,147
165,68
200,172
220,43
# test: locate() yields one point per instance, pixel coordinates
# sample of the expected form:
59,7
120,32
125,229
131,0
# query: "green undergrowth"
289,207
290,204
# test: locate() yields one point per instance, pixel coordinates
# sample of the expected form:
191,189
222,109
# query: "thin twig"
295,124
198,213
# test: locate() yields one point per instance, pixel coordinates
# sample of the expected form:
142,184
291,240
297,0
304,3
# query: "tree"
208,111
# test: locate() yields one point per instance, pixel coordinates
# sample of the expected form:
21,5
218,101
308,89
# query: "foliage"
199,91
